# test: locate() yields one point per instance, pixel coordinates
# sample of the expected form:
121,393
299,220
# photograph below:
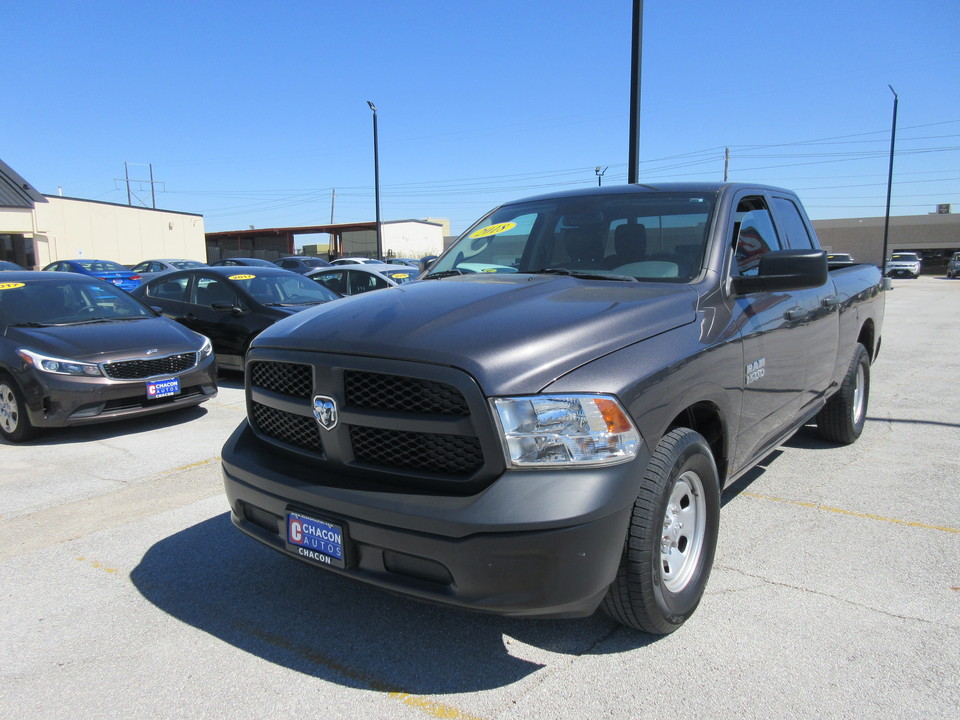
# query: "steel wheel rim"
9,412
684,529
859,396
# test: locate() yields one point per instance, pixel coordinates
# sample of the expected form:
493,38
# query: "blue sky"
253,114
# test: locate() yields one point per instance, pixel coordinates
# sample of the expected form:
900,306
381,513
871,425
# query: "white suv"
903,264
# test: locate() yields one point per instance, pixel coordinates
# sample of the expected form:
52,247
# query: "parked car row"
91,341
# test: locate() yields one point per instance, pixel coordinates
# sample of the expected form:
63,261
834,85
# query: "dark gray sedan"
77,350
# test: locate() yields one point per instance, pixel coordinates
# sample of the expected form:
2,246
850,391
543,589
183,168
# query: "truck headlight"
552,430
59,366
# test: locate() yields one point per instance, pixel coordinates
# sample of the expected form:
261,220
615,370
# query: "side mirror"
426,262
782,270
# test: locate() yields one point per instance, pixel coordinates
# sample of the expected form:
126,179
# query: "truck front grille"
143,368
404,428
446,454
389,392
287,427
285,378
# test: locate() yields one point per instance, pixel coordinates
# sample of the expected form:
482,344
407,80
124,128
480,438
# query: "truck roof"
687,187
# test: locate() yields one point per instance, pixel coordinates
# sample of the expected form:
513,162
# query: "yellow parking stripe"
841,511
191,466
423,704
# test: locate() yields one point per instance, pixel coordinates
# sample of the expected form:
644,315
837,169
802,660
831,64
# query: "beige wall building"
935,236
69,228
37,229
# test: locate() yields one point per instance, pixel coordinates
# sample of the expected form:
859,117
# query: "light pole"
376,177
633,169
600,175
886,219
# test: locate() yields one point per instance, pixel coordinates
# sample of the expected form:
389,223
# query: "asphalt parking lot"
835,593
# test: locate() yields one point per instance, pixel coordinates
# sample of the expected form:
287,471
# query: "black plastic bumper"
544,543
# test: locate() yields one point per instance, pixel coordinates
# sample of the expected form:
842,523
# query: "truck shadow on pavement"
317,623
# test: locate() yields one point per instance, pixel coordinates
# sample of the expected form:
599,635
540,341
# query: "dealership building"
935,237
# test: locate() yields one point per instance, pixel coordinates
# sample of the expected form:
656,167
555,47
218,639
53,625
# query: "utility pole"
127,179
376,178
331,242
634,160
893,141
153,193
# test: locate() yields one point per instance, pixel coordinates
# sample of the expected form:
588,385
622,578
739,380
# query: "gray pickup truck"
541,425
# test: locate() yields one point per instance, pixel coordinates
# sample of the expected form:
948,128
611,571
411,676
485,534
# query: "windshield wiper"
583,275
443,274
292,304
31,325
90,321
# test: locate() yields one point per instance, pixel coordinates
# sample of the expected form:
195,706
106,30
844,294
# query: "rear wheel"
842,419
671,540
15,425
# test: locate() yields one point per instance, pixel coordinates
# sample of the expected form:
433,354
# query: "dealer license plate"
163,388
315,539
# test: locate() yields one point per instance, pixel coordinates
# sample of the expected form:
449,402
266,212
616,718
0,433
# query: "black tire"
665,563
842,419
15,425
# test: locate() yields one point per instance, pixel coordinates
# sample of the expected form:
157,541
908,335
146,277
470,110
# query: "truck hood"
512,333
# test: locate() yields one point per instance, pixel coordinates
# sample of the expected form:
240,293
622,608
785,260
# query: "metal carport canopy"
335,230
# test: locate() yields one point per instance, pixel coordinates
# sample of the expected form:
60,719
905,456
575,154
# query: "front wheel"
15,426
842,419
672,537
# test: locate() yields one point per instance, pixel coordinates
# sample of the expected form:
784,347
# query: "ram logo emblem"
325,411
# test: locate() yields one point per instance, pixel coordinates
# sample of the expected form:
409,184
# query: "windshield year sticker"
242,277
11,286
492,230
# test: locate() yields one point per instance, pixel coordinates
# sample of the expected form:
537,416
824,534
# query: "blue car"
112,272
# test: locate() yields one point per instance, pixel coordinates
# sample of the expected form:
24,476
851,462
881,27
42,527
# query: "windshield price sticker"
163,388
11,286
493,230
242,277
315,540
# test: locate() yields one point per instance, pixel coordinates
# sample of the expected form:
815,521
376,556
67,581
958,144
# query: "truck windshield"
644,235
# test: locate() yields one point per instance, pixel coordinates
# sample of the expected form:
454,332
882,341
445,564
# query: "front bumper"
64,400
902,272
533,543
